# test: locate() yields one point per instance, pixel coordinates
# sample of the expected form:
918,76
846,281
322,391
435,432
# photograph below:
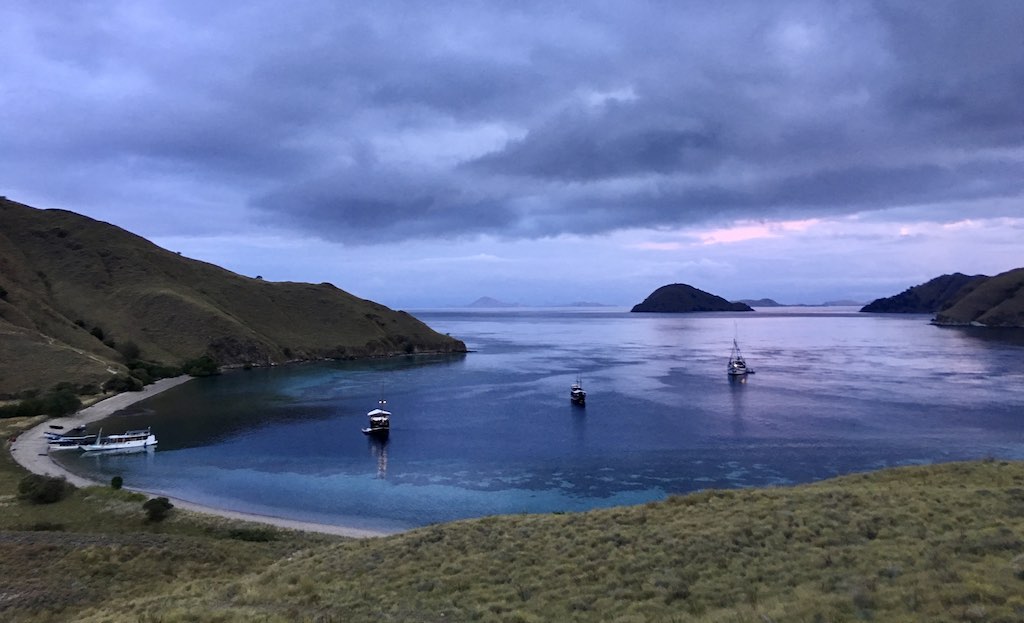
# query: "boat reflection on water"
110,456
379,450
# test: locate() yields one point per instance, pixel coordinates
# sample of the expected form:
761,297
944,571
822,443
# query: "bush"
253,535
97,333
60,403
142,374
123,384
116,482
40,489
201,366
157,508
55,403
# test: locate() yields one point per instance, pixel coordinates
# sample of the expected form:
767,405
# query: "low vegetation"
929,543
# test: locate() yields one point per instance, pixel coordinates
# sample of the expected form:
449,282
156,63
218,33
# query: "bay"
493,431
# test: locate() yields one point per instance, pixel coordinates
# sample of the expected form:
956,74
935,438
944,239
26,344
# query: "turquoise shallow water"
494,432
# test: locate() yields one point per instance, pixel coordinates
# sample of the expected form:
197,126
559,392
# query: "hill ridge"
67,280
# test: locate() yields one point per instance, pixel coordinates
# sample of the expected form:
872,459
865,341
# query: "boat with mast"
129,440
380,420
737,365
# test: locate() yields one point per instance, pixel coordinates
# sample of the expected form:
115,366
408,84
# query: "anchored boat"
737,365
380,421
576,393
122,441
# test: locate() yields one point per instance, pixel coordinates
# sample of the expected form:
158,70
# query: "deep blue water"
493,431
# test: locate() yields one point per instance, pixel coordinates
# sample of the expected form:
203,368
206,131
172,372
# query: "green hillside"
998,302
79,297
927,298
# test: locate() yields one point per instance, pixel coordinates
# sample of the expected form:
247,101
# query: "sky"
426,154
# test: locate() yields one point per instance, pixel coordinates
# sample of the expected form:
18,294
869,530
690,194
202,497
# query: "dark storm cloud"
389,120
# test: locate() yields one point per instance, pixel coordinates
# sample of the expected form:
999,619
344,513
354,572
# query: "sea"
493,431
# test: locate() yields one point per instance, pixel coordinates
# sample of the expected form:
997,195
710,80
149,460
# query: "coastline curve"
30,451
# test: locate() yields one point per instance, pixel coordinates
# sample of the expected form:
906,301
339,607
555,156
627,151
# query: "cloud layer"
389,121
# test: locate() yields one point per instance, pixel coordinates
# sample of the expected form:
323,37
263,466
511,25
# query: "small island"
679,298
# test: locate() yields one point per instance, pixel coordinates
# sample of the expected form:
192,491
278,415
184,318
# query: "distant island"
773,303
88,305
487,302
960,300
490,303
683,298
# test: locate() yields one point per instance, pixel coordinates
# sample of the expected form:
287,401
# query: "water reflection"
737,396
379,450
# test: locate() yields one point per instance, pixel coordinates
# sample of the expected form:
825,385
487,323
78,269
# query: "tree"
116,482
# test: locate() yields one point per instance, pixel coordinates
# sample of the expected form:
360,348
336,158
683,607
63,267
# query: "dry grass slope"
999,302
86,287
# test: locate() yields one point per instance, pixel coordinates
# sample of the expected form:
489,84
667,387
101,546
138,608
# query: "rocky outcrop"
682,298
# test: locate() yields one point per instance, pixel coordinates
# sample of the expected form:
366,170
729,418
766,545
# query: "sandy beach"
29,450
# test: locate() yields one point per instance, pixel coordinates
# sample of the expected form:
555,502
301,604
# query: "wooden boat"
380,421
122,441
68,442
576,393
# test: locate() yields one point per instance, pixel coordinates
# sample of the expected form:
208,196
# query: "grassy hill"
998,302
79,298
927,298
925,543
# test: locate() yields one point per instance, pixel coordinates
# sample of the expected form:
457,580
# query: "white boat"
68,442
380,421
737,365
576,393
122,441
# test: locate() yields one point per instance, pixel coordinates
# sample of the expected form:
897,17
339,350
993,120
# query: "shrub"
97,333
61,403
157,508
3,293
142,374
123,384
40,489
116,482
254,535
201,366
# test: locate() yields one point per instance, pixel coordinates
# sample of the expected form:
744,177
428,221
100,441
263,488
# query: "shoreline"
30,451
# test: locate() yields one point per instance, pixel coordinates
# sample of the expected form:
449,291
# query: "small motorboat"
380,421
68,442
576,393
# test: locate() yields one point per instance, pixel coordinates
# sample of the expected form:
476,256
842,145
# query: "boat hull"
120,445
